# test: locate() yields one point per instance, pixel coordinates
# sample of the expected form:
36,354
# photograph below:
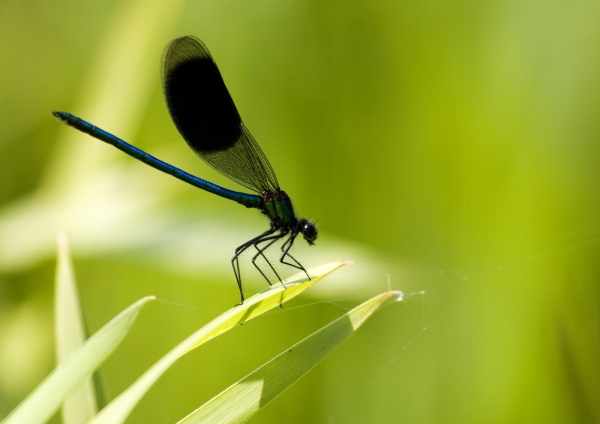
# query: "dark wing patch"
197,98
205,115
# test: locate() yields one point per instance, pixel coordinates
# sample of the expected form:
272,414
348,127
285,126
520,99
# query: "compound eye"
308,230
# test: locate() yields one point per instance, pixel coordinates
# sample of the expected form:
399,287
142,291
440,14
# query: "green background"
451,149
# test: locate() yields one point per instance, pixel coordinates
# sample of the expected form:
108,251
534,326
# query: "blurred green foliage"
457,142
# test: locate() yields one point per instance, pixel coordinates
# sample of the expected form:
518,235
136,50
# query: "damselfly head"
308,230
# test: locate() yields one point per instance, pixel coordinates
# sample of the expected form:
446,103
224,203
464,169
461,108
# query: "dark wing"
206,117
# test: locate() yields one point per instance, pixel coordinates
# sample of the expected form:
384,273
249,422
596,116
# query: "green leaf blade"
70,333
246,397
119,409
45,400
